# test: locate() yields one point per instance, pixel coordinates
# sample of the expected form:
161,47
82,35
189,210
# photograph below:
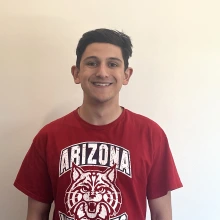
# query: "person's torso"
100,172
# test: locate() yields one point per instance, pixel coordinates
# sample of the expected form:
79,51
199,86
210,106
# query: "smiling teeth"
102,84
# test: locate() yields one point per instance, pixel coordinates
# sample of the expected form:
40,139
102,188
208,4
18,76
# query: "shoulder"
143,122
148,130
58,125
52,133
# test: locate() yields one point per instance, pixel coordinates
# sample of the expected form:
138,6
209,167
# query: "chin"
102,99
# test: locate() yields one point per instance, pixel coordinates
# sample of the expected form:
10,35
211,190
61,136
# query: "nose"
92,195
102,71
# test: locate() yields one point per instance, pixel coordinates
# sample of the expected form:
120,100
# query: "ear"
128,73
111,173
75,74
76,172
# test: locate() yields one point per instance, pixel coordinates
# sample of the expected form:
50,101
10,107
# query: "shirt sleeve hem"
163,193
31,195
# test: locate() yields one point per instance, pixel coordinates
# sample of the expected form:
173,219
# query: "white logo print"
93,194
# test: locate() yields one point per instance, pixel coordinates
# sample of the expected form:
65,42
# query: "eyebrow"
115,58
109,58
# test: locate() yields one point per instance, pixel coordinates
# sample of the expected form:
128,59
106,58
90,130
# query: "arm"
160,208
37,210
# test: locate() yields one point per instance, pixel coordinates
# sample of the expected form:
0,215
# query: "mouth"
92,207
103,84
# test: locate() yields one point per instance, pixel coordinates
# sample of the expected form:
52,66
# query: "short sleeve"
163,176
33,177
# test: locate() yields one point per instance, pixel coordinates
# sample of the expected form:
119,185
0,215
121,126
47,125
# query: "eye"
101,190
92,64
84,189
112,64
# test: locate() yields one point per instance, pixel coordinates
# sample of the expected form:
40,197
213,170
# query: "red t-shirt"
99,172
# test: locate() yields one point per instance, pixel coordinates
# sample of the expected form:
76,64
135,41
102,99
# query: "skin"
101,63
161,208
101,75
37,210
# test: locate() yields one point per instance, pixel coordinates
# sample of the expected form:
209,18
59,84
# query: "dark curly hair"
103,35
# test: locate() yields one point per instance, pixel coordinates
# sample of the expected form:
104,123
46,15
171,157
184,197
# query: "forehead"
102,51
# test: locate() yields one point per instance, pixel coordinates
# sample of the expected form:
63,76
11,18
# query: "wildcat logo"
124,216
93,194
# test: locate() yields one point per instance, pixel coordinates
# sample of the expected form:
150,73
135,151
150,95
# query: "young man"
101,161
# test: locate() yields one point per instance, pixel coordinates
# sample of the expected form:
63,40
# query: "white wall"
176,82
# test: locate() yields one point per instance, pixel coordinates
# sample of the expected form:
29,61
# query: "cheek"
121,80
86,197
99,197
86,75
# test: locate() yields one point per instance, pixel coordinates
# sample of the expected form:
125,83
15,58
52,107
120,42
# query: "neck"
99,114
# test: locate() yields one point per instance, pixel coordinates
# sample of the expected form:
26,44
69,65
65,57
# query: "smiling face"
101,73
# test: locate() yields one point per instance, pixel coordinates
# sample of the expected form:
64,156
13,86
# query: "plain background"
176,82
